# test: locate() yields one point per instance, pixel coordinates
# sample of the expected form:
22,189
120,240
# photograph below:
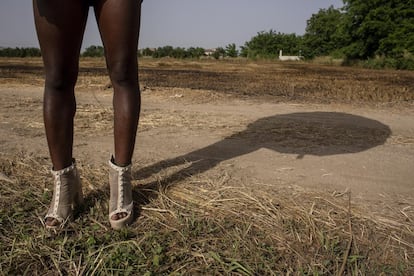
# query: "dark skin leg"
119,23
60,26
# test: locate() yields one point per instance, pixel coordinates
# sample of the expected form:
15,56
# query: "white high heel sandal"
67,196
121,195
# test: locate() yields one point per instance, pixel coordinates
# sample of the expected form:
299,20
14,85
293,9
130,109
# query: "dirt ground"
334,147
297,166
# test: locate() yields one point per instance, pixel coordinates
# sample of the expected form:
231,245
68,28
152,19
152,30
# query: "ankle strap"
65,170
118,168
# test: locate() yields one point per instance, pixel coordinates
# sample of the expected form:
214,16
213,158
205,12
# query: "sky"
181,23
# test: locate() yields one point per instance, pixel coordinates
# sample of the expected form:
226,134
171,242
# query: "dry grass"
203,224
210,222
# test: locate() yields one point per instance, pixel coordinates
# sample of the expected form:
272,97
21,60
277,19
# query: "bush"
400,63
93,51
20,52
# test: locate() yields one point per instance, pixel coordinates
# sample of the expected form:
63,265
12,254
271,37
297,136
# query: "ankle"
120,163
58,166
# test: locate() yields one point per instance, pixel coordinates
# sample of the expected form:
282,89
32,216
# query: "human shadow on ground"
308,133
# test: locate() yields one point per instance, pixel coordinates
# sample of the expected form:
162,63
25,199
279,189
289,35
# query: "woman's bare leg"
119,23
60,26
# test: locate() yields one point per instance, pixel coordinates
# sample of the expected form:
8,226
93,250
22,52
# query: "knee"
123,73
61,79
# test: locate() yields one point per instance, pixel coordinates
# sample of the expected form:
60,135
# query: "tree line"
20,52
193,52
380,32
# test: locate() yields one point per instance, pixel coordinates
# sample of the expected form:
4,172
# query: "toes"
51,222
118,216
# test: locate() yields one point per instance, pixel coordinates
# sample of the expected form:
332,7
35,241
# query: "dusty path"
325,147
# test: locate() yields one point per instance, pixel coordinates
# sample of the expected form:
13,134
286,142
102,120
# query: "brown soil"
267,125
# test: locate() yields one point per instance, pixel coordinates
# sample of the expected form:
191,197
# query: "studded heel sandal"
121,195
67,196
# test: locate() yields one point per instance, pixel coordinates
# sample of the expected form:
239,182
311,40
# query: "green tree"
195,52
166,51
179,53
325,32
219,52
264,44
20,52
147,52
268,44
379,27
244,51
231,50
33,52
94,51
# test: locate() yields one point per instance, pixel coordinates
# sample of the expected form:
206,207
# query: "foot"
67,197
52,223
120,202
